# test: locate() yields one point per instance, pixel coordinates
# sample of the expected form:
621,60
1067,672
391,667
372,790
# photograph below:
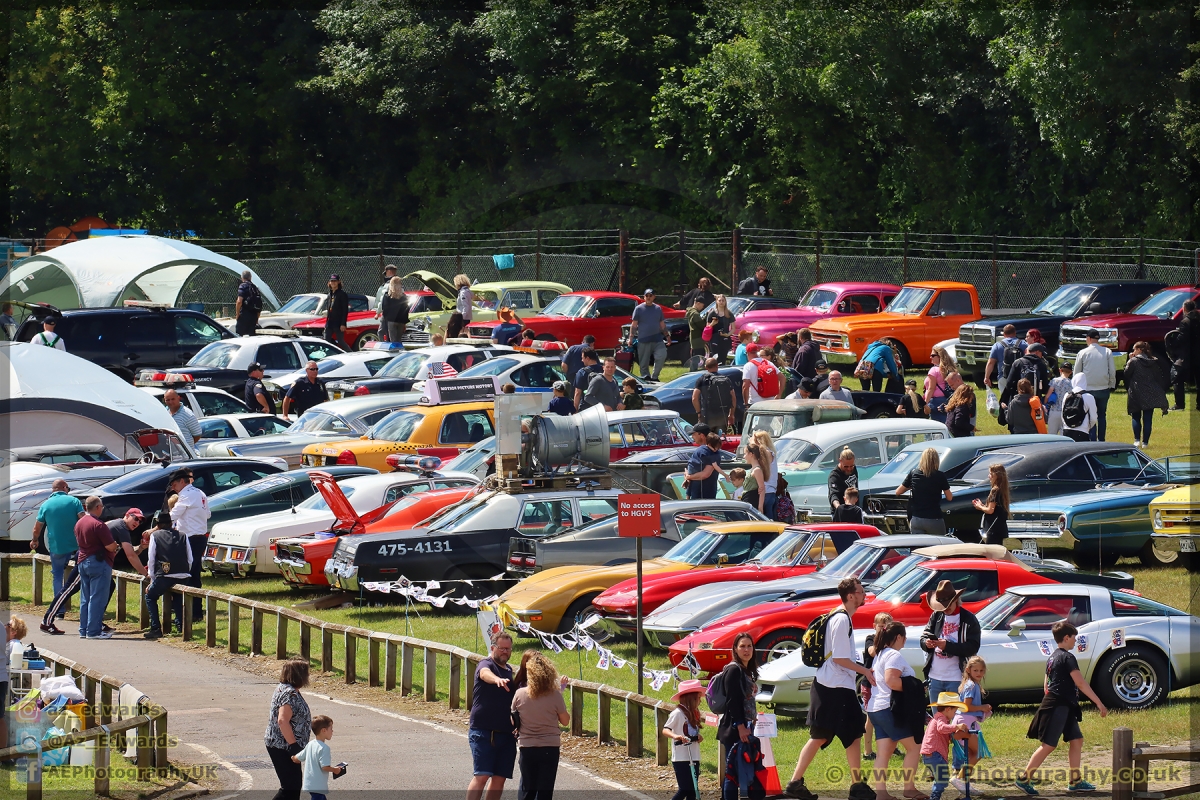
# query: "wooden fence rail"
1131,767
149,726
397,653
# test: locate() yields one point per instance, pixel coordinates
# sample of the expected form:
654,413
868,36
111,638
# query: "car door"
149,342
1025,665
192,333
314,351
518,300
215,403
608,314
863,304
278,358
952,308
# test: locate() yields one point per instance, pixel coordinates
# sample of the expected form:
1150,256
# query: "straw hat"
688,687
943,596
949,699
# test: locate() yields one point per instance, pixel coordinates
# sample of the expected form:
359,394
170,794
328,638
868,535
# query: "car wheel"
364,337
1154,554
776,645
1133,677
576,613
880,412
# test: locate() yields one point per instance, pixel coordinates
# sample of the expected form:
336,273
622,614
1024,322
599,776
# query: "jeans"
941,774
539,768
687,775
290,774
873,383
1143,423
936,687
933,527
95,574
197,543
58,568
1097,433
655,352
769,506
335,336
157,588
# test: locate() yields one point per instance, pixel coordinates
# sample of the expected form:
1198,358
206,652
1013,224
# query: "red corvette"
301,559
571,316
363,326
799,550
777,628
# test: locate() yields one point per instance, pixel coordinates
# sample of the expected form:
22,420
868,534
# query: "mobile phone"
343,765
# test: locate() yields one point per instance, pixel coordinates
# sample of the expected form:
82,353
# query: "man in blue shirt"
649,327
572,360
591,367
995,362
704,469
57,517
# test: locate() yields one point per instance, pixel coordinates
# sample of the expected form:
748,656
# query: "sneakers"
861,791
798,790
107,629
102,635
1026,786
960,784
153,633
1081,786
868,756
52,629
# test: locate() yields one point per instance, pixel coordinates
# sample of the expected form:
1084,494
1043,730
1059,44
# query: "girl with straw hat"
683,729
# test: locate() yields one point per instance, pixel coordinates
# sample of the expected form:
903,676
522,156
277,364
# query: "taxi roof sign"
442,391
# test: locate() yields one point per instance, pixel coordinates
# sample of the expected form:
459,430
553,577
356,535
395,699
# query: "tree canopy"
364,115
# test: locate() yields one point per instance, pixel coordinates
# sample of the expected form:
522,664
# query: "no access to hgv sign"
637,515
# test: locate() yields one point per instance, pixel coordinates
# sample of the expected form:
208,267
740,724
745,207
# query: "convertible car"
1132,650
553,600
777,628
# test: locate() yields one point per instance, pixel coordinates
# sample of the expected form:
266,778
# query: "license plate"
337,395
968,357
1187,545
1029,545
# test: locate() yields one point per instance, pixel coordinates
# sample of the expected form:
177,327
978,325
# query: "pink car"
822,301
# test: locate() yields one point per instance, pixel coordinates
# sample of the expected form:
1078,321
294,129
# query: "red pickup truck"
1149,321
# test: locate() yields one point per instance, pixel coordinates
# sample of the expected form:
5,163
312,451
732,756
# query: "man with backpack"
833,707
1003,355
1095,362
1079,410
1032,367
760,377
713,398
249,306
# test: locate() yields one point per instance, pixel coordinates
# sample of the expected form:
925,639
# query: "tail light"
210,552
346,458
361,390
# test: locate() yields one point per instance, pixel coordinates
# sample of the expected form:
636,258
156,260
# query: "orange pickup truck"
923,314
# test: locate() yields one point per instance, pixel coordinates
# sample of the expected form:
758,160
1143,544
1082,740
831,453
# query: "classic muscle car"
823,301
525,297
302,308
408,369
279,492
1132,650
1175,517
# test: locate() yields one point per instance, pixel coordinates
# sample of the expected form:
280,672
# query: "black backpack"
714,396
1011,353
1029,371
254,300
812,646
1074,412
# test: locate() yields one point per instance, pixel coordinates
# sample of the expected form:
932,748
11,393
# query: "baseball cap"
335,277
701,427
752,347
135,512
560,386
389,268
254,366
648,291
1092,333
821,364
910,382
1036,347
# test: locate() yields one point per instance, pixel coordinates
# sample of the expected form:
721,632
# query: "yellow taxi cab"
437,430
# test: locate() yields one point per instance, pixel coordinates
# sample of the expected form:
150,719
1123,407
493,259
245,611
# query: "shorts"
886,726
493,753
1062,724
835,713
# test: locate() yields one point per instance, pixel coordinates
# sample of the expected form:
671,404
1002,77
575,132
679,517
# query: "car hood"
1115,320
1106,498
770,317
258,530
743,618
702,604
849,323
269,443
436,284
555,578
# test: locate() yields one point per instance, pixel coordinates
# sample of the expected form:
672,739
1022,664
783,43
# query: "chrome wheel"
363,338
781,649
1135,682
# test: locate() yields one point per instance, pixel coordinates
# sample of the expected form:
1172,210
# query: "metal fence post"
903,261
1141,270
735,257
1064,260
817,277
995,275
682,279
537,257
381,249
623,260
308,284
458,253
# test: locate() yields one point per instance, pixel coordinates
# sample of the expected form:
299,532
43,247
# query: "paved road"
219,714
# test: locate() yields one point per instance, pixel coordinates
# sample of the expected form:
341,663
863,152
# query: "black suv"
126,340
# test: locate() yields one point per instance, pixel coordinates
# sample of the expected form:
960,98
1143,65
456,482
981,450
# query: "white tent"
107,270
54,397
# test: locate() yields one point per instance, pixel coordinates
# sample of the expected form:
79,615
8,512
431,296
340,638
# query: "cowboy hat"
949,699
943,596
505,313
688,687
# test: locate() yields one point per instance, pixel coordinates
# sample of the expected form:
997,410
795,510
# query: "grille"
830,340
1034,525
478,331
415,337
977,334
1184,516
1072,339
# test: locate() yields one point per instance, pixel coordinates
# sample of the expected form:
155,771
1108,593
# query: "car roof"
854,286
992,442
939,285
784,405
1055,589
971,562
383,479
159,391
264,338
1052,452
239,415
446,408
647,413
743,526
502,285
361,404
828,432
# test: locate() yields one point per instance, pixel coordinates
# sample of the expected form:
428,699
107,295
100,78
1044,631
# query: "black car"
145,489
126,340
277,492
1034,471
1067,302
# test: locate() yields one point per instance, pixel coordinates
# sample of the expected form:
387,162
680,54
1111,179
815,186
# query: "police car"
224,364
203,401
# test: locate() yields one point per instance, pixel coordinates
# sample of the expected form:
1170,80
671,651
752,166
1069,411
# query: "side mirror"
1093,308
722,559
594,313
1017,627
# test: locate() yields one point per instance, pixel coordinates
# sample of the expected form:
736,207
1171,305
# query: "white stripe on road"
245,782
460,734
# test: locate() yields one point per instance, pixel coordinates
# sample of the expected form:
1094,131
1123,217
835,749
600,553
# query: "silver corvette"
1132,650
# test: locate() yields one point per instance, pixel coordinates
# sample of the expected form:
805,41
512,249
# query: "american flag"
440,369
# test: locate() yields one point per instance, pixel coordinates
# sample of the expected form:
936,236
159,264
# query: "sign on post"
638,515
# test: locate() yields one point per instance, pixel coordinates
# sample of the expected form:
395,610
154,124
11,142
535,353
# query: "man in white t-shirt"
750,377
48,337
950,638
833,708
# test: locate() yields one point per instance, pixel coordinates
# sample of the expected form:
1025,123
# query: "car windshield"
567,306
396,427
996,612
271,483
407,502
978,473
1065,301
403,366
317,421
906,460
217,355
317,502
855,560
136,480
493,367
911,300
1164,304
472,459
736,305
300,304
694,548
485,299
905,588
818,299
264,425
685,381
328,365
797,453
890,576
458,515
777,424
786,549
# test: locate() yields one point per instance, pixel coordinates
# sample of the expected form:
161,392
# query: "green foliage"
1046,119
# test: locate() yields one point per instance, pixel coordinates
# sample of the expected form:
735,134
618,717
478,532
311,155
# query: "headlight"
1108,335
1062,523
1158,519
845,342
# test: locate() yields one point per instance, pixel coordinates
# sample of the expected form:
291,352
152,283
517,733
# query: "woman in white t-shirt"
683,729
890,667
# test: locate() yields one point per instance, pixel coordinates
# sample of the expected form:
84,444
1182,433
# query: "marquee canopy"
105,271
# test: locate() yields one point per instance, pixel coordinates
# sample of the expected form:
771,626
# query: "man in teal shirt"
57,517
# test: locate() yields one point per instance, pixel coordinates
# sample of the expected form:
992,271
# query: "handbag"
707,333
865,369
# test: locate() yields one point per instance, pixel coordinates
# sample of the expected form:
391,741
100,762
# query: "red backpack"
768,378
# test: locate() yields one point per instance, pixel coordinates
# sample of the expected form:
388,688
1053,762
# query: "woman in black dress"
994,529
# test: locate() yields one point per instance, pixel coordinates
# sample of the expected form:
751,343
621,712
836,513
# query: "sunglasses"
310,369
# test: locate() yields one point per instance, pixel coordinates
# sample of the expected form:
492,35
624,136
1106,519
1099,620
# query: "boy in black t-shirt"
1059,714
849,511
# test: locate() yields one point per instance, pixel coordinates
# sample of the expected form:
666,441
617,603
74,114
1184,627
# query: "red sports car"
571,316
777,628
301,559
363,326
799,550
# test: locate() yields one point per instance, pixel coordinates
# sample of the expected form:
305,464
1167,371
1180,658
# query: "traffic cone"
771,785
